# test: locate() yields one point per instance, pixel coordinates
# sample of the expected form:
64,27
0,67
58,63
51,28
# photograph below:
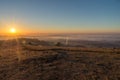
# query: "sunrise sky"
60,16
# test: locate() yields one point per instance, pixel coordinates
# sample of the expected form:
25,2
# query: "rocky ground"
26,61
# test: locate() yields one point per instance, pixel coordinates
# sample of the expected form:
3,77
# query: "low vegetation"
24,61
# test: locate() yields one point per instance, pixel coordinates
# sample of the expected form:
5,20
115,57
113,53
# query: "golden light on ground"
12,30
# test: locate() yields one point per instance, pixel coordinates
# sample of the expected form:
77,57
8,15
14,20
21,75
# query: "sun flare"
12,30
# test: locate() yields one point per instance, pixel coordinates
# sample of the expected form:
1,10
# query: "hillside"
31,59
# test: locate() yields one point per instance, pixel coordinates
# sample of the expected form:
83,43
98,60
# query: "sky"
60,16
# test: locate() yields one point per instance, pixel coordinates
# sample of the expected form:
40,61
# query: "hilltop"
33,59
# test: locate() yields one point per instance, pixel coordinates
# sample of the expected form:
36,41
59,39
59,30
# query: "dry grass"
40,48
58,63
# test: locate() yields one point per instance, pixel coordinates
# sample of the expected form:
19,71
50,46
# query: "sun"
12,30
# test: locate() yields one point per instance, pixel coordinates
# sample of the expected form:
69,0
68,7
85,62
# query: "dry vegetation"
20,61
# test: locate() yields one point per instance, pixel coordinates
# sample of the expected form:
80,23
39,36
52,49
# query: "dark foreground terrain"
22,60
